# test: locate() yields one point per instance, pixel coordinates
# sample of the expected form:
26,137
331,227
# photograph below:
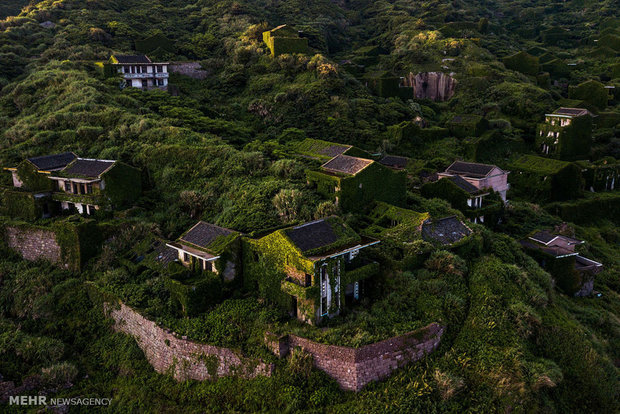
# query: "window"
324,288
75,188
186,257
68,186
89,188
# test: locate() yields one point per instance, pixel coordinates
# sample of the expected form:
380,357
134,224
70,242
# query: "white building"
139,72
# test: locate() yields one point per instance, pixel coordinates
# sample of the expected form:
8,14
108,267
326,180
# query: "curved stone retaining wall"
353,368
182,358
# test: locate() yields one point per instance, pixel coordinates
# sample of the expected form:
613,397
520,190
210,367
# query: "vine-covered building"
46,185
139,72
312,270
284,39
556,253
566,134
481,176
353,182
210,248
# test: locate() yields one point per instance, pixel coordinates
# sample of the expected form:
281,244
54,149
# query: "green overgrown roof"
318,149
321,236
540,165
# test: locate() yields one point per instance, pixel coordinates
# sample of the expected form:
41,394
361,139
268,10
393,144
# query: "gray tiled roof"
203,234
346,164
87,168
571,111
394,161
127,59
543,236
446,231
470,168
464,184
313,235
53,162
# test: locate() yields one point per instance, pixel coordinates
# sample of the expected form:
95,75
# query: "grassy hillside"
226,150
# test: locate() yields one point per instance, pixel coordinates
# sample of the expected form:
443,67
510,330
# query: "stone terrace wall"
34,244
191,69
353,368
182,358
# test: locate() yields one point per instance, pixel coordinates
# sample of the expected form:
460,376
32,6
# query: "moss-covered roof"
539,165
208,237
318,149
396,223
322,236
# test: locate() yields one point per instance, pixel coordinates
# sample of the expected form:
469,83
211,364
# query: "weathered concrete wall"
34,244
436,86
353,368
182,358
191,69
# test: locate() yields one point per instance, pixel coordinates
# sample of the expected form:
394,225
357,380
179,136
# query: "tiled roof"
164,254
345,164
446,231
203,234
571,111
394,161
543,236
313,235
470,168
555,251
53,162
132,59
463,184
87,168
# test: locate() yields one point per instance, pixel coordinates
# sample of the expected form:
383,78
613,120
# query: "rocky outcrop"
436,86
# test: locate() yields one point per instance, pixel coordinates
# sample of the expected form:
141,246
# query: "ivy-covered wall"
265,265
468,125
123,185
574,140
19,205
446,190
33,180
544,179
590,91
523,62
285,40
193,293
407,135
375,183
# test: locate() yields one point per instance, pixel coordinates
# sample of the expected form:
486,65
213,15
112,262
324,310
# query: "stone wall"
353,368
34,243
191,69
180,357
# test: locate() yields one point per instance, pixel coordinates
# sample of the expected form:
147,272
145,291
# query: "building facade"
139,72
566,134
313,270
481,176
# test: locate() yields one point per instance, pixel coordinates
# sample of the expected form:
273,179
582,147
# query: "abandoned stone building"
52,183
566,134
481,176
211,248
138,71
313,270
352,182
557,254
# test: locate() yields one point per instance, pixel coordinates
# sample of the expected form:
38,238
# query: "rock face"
436,86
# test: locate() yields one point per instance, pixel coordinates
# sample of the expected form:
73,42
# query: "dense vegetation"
225,150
